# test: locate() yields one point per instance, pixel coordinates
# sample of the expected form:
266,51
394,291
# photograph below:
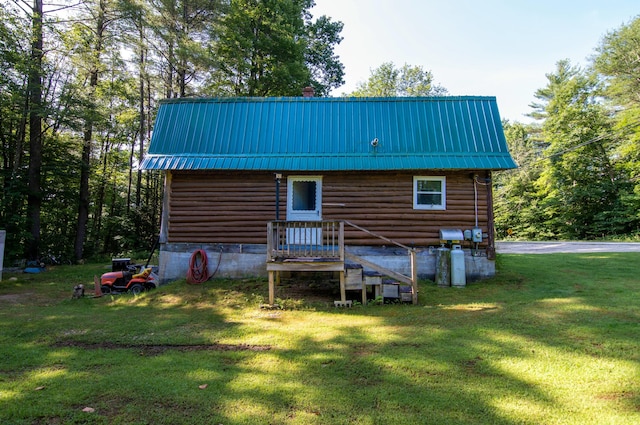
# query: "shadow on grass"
552,339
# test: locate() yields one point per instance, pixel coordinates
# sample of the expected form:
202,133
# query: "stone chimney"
308,91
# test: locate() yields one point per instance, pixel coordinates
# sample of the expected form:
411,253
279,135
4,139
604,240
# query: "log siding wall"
233,208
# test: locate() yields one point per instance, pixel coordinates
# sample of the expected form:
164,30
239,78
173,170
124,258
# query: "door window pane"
304,196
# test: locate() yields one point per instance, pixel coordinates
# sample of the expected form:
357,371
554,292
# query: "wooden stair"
413,281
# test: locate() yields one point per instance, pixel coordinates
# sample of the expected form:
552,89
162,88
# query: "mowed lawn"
553,339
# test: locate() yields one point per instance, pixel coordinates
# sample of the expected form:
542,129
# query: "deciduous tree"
389,81
516,195
327,72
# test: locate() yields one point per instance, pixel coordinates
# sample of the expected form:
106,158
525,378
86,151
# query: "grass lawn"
553,339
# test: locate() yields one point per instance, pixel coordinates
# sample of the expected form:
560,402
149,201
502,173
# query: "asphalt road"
571,247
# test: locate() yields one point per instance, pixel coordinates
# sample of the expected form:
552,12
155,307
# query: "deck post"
341,240
270,242
343,284
414,277
293,246
272,287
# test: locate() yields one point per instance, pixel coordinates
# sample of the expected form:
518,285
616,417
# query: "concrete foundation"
237,261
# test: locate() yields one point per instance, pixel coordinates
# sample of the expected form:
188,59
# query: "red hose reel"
198,272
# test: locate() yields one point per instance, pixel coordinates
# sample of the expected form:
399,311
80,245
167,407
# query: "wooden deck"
318,246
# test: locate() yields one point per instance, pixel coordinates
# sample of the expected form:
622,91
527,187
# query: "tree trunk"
100,196
84,196
491,247
170,65
142,112
130,174
34,197
83,204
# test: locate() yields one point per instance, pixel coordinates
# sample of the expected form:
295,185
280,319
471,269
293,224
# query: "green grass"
553,339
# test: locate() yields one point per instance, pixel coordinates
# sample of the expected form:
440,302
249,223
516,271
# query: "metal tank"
458,272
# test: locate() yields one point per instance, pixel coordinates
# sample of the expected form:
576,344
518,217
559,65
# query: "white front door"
304,198
304,203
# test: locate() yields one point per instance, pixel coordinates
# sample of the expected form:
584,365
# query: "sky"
501,48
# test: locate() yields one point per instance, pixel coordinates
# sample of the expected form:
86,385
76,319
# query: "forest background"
80,83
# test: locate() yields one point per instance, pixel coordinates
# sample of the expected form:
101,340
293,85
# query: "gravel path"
575,247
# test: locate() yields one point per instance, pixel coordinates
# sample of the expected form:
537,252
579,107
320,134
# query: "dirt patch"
630,399
15,298
155,349
310,288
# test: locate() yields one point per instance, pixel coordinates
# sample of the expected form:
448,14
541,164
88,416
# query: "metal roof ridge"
325,155
327,99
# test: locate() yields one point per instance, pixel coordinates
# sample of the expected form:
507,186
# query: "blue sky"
492,48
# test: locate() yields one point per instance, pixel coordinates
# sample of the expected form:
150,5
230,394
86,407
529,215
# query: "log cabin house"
268,185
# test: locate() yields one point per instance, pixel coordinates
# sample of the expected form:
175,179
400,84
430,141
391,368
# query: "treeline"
579,164
80,84
79,87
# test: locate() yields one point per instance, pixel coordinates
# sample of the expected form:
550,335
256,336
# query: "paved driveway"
575,247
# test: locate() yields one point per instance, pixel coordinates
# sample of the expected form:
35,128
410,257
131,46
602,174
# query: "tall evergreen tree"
14,62
273,48
183,30
579,182
81,114
36,115
617,61
95,40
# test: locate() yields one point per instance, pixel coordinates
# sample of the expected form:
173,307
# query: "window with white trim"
429,193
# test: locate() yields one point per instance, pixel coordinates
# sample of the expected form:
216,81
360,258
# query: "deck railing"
319,246
305,240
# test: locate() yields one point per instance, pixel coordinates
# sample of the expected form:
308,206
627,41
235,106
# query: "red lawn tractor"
133,278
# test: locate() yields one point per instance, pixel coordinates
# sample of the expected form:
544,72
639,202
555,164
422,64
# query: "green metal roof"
323,134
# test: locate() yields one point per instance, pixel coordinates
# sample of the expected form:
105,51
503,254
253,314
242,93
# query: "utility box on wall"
474,235
451,236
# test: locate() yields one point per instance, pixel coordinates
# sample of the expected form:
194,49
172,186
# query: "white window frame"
443,186
304,215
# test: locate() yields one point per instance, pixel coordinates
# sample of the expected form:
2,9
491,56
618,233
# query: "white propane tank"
458,274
